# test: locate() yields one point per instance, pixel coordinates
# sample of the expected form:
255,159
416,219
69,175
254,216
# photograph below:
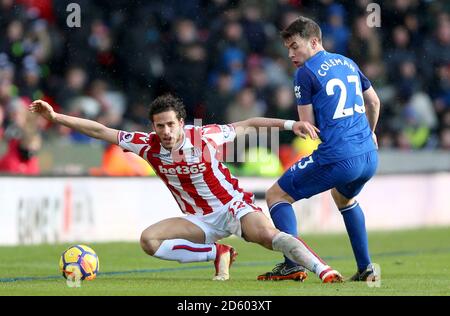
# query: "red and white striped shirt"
198,181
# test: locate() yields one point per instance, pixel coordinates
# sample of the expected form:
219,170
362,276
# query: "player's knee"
263,236
345,204
340,200
149,244
272,196
275,194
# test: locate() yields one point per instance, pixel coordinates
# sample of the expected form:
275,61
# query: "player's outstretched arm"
87,127
299,128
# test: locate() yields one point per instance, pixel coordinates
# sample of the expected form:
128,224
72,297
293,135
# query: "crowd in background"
223,58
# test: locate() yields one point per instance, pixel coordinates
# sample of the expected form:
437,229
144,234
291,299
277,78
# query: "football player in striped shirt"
185,157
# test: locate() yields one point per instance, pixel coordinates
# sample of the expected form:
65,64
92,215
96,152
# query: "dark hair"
304,27
165,103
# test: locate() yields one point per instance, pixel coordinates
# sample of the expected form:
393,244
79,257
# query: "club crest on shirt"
297,92
225,130
192,155
195,152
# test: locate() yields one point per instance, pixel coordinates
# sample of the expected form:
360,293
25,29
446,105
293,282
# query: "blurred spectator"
12,43
230,53
136,116
394,12
217,100
31,76
41,8
411,94
234,37
185,33
140,57
277,70
253,27
445,119
6,68
10,10
245,106
112,104
386,140
74,85
186,75
442,89
445,138
407,80
116,162
7,93
82,106
335,33
437,48
101,42
282,105
233,61
2,120
445,131
24,140
421,103
258,80
415,30
364,43
415,133
37,41
20,156
400,52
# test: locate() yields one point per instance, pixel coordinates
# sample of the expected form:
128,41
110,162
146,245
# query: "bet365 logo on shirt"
183,169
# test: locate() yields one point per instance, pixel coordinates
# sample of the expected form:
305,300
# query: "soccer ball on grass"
79,262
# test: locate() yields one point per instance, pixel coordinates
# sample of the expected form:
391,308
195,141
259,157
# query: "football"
79,262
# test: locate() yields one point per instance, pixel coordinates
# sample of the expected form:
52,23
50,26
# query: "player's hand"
42,108
302,129
375,140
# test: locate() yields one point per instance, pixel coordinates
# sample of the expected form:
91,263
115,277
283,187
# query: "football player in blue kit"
333,94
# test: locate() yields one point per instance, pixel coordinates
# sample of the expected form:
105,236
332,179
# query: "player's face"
299,49
169,128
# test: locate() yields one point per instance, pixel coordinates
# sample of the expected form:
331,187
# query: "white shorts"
225,221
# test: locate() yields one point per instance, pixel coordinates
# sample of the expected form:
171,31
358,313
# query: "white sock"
184,251
299,252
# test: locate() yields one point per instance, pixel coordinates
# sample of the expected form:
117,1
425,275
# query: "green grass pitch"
413,262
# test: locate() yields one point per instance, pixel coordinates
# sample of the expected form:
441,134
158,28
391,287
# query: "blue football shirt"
333,84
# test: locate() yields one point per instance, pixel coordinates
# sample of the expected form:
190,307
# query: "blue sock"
283,217
356,229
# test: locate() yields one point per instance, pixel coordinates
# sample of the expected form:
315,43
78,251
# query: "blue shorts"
306,177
